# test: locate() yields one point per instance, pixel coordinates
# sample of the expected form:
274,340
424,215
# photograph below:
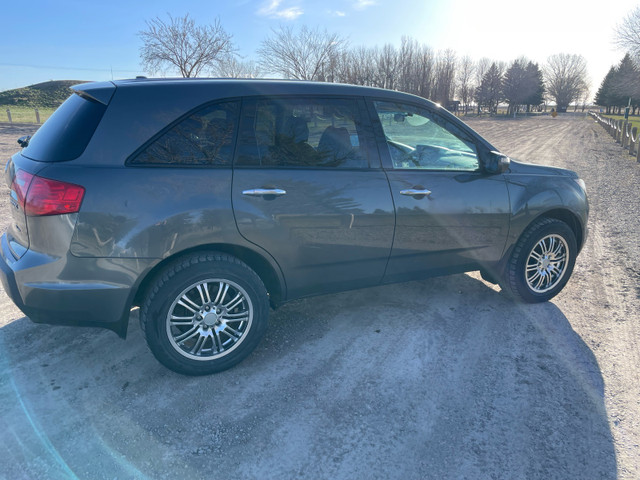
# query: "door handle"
261,192
413,192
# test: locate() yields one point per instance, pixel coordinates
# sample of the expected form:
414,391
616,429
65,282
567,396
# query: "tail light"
45,196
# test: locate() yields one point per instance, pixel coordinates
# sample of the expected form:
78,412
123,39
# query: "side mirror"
24,141
497,162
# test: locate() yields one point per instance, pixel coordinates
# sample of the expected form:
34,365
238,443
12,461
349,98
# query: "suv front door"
450,214
309,190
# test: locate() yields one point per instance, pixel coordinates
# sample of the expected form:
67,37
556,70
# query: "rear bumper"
100,294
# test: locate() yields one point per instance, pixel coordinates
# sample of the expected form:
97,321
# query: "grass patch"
634,120
21,114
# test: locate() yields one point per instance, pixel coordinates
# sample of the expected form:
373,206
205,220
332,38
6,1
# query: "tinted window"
66,134
309,132
203,138
420,139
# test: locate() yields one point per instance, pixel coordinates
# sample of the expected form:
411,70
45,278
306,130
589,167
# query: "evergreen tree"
536,87
604,95
515,85
489,93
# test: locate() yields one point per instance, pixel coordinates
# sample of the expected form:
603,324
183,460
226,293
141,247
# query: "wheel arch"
268,273
568,217
563,214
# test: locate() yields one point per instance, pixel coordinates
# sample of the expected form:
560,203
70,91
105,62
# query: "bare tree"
182,45
235,68
424,72
304,54
388,67
445,76
466,69
627,33
565,78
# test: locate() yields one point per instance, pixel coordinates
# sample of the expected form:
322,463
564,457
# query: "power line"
51,67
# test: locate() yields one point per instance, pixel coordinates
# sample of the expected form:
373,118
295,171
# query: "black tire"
204,313
541,262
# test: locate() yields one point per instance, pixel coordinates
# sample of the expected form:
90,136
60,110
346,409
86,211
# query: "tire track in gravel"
602,300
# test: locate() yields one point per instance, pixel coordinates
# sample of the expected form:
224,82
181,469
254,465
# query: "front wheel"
205,313
541,262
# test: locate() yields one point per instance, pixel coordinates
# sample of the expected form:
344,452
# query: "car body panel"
464,221
332,228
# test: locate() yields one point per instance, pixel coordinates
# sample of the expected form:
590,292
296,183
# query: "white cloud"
337,13
273,9
362,4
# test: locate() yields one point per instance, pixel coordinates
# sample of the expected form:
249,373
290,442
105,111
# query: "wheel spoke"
199,288
187,335
232,332
190,302
236,317
235,302
536,256
217,343
197,348
206,291
558,250
181,303
222,292
181,320
551,246
555,269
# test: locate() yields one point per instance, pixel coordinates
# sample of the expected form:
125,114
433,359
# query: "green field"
635,120
21,114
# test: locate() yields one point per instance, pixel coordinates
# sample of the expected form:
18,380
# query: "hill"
47,94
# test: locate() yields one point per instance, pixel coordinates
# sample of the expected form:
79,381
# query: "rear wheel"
541,262
205,313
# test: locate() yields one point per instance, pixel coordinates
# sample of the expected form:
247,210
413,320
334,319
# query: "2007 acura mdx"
204,201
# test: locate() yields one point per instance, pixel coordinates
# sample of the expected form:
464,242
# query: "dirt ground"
444,378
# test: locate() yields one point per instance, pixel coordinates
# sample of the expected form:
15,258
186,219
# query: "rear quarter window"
66,134
203,138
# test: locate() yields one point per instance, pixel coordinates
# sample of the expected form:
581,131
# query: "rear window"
67,132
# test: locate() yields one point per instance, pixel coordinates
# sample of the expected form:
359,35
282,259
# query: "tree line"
621,86
179,44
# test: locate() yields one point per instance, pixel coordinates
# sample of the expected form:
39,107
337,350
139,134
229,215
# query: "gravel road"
444,378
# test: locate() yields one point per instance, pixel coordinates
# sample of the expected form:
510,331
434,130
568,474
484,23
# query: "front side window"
419,139
302,132
203,138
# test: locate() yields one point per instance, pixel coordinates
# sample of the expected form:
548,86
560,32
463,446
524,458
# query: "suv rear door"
308,189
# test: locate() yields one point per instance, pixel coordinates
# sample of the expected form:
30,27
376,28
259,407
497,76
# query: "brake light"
45,196
20,185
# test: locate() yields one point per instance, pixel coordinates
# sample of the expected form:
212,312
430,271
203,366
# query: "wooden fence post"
619,132
37,116
9,115
633,138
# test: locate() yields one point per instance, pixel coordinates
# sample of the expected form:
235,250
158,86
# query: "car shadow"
442,378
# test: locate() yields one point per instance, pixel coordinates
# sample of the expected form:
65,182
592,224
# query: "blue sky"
45,40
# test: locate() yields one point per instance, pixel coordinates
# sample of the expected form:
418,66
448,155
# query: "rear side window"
203,138
302,132
66,134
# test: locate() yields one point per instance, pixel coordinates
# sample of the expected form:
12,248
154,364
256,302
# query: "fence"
622,132
25,115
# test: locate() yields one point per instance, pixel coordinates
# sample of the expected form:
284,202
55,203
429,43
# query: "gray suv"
205,202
